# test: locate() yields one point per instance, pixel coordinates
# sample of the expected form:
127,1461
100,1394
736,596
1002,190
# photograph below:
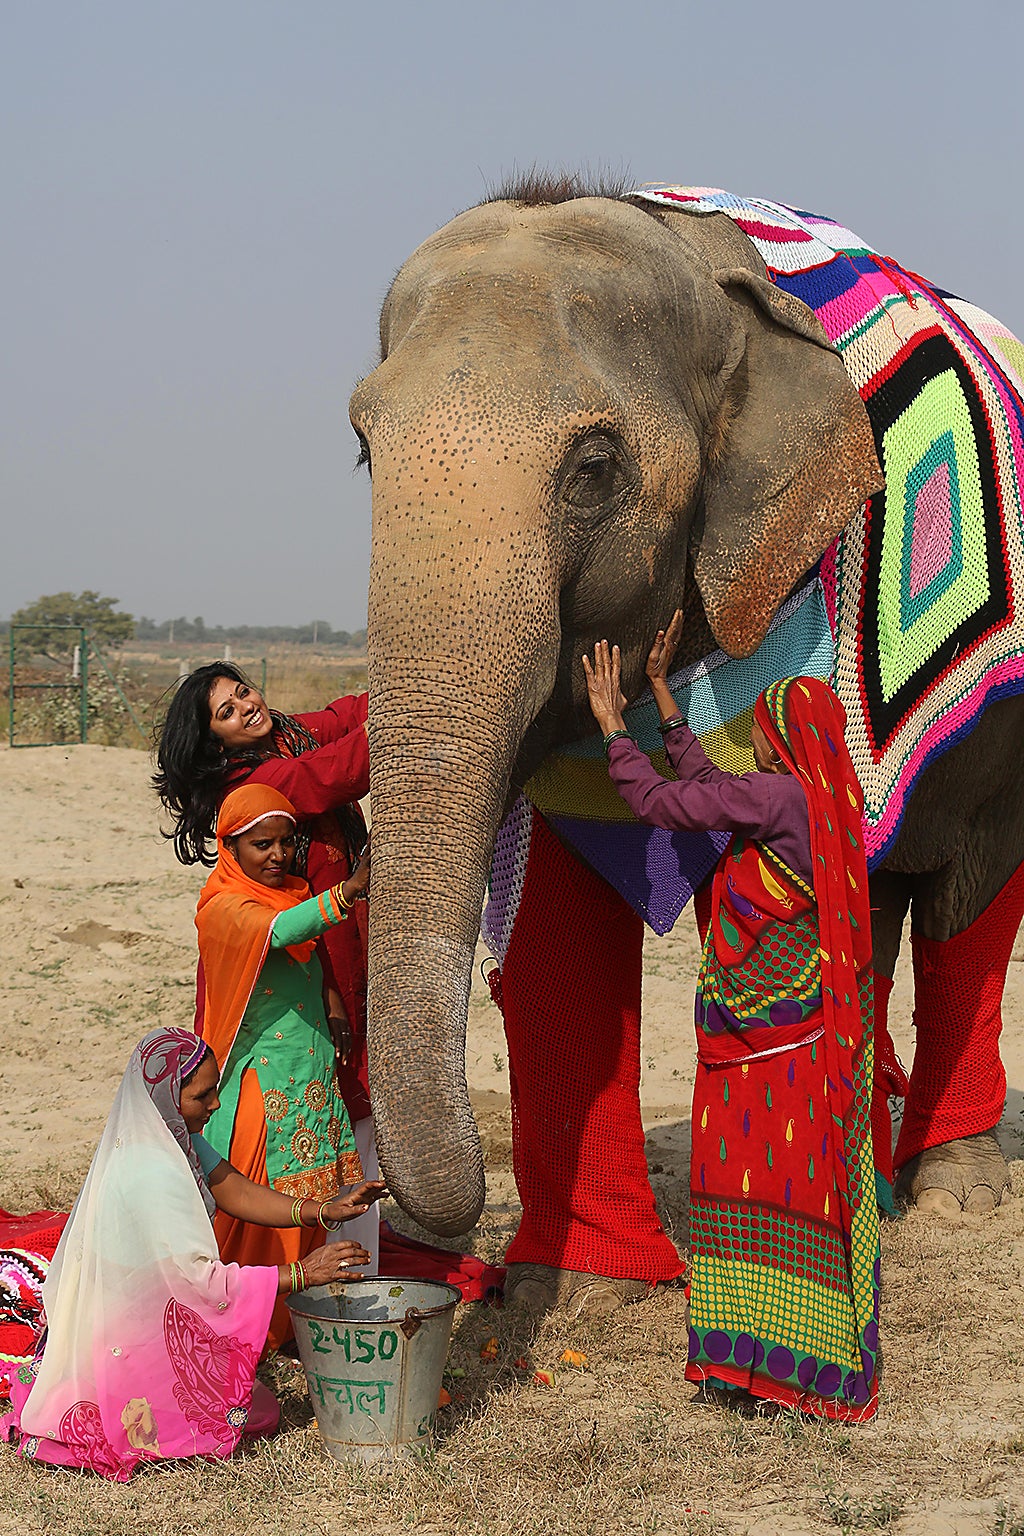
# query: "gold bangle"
297,1213
346,906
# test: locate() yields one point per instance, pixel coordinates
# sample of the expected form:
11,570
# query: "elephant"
594,406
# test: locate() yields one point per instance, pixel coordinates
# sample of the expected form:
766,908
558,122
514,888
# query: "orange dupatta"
235,916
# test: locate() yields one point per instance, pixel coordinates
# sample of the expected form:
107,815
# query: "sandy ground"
97,946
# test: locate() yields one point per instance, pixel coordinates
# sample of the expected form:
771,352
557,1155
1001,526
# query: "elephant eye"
596,475
363,456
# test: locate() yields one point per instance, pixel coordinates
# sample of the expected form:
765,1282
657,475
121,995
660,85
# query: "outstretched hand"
355,1200
604,687
664,648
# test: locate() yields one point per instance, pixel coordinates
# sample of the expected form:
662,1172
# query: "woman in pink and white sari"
151,1343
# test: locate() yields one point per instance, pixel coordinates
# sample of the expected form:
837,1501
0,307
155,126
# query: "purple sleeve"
687,756
769,807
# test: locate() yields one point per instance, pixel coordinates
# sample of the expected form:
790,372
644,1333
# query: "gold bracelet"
346,906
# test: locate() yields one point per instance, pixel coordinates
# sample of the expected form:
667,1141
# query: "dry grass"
298,678
627,1444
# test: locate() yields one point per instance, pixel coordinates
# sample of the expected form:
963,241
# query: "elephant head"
585,415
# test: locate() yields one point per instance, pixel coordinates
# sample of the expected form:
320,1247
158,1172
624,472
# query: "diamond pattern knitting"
924,584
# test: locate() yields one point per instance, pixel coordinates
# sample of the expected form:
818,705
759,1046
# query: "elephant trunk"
441,752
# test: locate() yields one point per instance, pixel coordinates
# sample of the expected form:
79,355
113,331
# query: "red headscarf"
235,915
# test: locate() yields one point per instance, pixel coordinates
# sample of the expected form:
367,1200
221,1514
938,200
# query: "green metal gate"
48,691
48,686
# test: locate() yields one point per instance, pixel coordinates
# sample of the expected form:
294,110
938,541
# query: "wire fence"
65,688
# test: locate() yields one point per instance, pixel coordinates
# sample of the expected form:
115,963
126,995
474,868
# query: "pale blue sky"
204,201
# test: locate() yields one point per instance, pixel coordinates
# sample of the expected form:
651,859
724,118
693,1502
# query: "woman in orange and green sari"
785,1265
281,1121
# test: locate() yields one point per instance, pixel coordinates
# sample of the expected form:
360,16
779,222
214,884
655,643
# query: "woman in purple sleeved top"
785,1270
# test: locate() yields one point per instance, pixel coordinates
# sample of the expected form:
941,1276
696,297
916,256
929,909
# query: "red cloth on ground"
572,1021
405,1257
35,1234
40,1231
958,1084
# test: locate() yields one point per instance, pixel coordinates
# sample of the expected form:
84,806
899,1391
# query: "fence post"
10,692
85,688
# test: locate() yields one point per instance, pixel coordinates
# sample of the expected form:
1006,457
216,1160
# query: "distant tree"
195,631
97,615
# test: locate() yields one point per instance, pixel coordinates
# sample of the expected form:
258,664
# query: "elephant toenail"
937,1202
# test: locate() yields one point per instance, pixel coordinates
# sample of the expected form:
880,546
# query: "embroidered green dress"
284,1039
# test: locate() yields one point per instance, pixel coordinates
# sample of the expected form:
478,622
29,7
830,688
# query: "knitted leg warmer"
571,994
958,1084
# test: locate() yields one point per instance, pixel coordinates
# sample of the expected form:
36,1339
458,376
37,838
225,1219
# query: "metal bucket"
374,1353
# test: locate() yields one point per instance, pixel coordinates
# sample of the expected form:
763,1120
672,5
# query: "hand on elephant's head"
604,687
666,643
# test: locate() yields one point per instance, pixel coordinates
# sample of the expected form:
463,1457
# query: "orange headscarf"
235,915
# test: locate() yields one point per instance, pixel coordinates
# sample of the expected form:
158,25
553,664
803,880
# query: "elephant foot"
539,1288
969,1174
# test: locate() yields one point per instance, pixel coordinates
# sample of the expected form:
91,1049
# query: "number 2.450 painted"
361,1345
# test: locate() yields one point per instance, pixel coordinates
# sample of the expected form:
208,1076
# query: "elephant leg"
947,1155
571,993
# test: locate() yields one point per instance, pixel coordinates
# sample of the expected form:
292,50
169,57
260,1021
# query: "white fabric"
365,1229
263,816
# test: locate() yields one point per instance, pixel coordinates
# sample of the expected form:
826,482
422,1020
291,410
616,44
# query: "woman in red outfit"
219,733
785,1263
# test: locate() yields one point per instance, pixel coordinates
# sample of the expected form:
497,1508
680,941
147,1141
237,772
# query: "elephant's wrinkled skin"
585,415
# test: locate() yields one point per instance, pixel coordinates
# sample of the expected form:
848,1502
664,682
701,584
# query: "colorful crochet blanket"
918,600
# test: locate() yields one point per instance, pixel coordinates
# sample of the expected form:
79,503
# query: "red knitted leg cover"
571,992
890,1079
958,1084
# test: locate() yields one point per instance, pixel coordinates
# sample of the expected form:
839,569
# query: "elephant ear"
793,461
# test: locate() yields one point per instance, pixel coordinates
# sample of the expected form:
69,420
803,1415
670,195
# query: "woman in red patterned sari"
784,1220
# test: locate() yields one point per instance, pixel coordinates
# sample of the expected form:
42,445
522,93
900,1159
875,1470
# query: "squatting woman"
151,1342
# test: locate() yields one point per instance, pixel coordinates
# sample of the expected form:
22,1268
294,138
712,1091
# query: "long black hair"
194,769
